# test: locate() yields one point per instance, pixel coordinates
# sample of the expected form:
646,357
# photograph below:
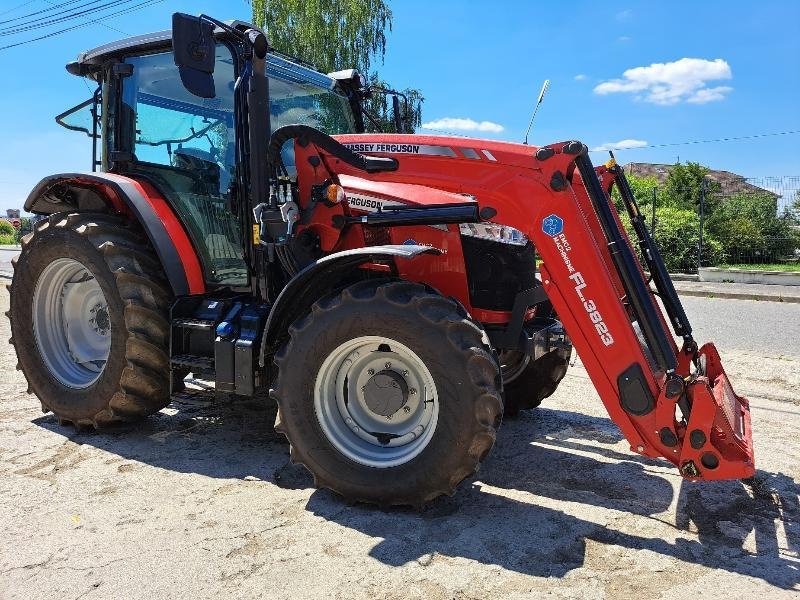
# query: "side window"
186,146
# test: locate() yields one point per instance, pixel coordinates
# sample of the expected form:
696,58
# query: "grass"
7,239
787,267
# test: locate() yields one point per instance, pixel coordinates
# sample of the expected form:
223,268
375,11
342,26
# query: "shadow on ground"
232,440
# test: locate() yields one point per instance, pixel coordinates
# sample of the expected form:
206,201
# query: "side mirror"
194,52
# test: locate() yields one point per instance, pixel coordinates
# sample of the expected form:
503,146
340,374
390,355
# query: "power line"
5,12
53,19
38,12
106,25
125,11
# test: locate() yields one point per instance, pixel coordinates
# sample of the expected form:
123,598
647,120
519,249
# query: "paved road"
199,502
6,254
770,328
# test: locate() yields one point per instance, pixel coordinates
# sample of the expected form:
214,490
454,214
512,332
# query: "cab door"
186,147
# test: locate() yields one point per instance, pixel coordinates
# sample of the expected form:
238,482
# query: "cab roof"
91,61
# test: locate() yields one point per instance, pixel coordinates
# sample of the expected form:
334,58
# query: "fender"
136,199
308,285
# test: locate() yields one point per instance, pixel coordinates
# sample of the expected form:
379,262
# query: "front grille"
497,272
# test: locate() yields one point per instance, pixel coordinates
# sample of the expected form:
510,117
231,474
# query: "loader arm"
669,402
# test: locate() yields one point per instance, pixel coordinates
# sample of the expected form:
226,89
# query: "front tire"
388,394
89,319
533,381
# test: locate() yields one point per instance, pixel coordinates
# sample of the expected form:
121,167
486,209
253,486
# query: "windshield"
302,96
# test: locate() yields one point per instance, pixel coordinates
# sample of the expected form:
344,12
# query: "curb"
738,296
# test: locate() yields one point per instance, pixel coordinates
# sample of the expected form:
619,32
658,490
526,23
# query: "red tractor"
239,224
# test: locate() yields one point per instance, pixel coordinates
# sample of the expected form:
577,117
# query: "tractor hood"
433,169
440,147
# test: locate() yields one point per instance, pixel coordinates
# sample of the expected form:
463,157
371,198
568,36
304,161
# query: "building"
730,183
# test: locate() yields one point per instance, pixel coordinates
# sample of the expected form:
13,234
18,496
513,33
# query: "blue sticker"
553,225
410,242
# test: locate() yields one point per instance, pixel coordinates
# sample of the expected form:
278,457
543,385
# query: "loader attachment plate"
718,442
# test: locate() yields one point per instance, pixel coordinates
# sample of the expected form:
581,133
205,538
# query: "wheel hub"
386,393
71,323
376,401
100,321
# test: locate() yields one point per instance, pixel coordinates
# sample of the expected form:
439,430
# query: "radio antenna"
545,85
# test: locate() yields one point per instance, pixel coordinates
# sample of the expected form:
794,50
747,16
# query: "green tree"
750,229
677,234
379,105
8,234
760,209
642,188
684,186
334,35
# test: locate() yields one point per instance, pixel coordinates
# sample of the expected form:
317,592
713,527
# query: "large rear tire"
388,394
89,319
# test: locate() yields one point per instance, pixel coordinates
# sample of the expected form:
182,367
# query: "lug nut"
388,365
412,391
407,409
405,372
370,371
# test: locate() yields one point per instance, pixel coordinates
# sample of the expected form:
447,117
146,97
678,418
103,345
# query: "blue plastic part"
225,329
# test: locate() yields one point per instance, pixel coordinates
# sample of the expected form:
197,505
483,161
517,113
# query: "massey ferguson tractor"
238,224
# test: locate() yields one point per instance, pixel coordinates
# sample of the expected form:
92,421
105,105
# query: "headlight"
502,234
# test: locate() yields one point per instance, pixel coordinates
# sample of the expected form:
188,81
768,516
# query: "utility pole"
653,222
702,216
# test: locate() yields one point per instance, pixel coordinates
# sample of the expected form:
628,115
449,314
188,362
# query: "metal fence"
742,240
768,250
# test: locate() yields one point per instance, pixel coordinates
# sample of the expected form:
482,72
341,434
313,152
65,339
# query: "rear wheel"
526,383
89,309
388,394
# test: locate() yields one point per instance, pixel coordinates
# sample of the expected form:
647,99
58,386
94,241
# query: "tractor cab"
145,123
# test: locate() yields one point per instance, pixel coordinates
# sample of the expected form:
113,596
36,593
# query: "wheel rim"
376,401
71,323
512,364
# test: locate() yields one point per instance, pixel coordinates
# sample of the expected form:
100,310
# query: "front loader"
240,225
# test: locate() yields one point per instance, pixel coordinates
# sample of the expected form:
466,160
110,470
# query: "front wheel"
388,393
527,382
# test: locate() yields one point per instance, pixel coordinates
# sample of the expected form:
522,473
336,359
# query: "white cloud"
457,124
704,95
580,77
624,15
623,38
620,145
683,80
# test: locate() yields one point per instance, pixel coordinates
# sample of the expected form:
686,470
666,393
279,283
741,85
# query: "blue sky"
640,73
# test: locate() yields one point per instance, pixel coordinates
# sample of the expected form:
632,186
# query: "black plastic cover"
634,395
194,53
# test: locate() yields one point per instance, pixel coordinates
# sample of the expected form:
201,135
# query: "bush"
7,228
677,234
740,238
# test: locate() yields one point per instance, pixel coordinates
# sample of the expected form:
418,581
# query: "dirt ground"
199,502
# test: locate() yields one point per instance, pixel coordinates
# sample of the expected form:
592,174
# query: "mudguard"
137,199
316,279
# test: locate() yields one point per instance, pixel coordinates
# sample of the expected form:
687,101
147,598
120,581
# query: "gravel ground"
199,502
